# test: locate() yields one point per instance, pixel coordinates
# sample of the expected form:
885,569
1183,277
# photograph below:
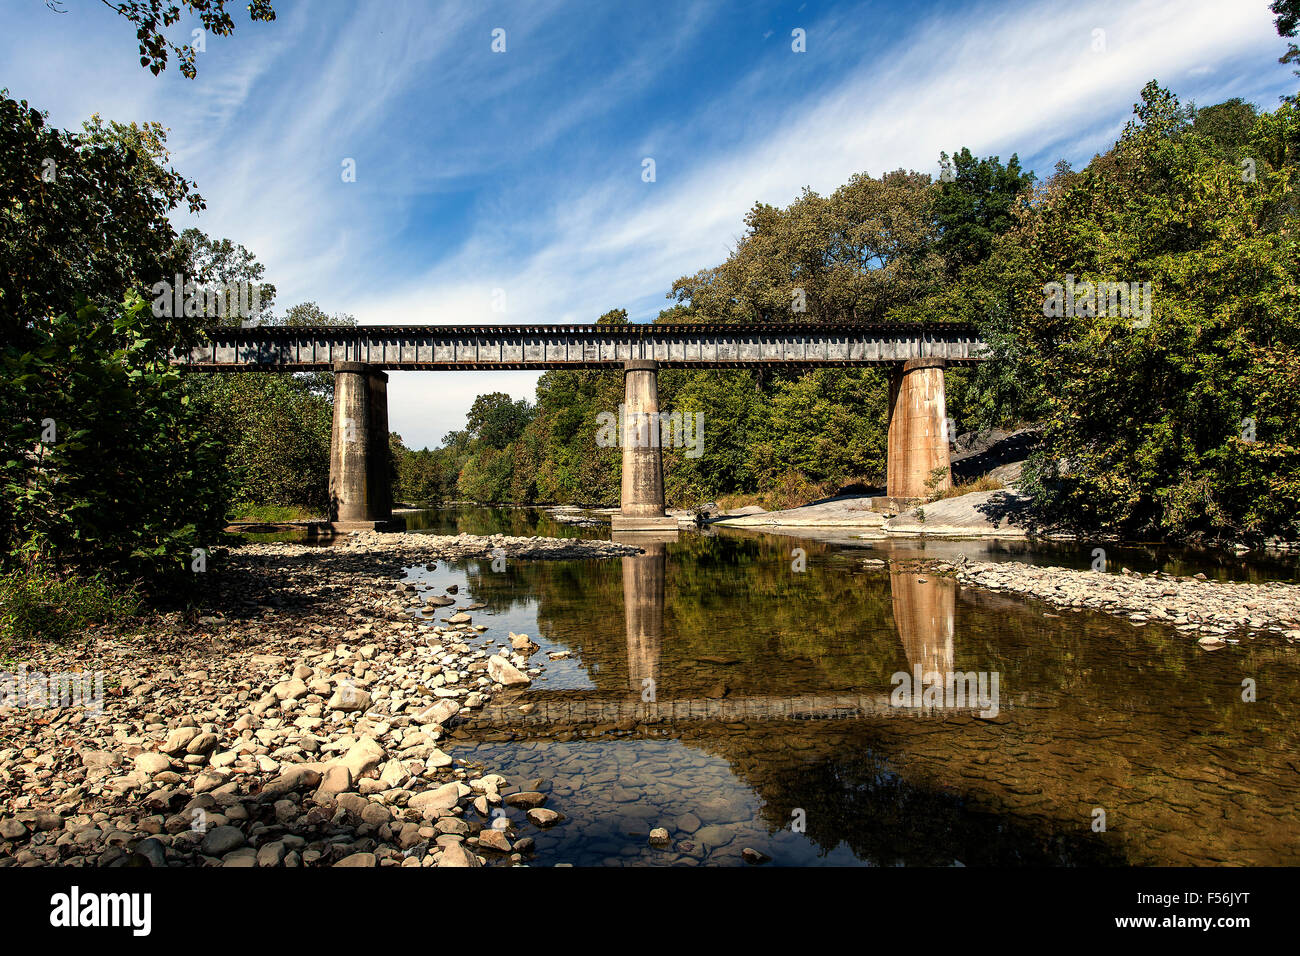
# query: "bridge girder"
542,347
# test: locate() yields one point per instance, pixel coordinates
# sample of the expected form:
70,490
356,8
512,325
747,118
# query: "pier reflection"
924,612
643,605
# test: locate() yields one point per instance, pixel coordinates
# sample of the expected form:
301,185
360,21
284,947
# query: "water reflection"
1096,712
643,607
924,612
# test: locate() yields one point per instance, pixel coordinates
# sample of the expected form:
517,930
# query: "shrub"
40,605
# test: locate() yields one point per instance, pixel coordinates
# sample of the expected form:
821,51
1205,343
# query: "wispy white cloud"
523,171
1026,80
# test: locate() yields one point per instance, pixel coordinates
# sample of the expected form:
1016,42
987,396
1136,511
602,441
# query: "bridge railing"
584,346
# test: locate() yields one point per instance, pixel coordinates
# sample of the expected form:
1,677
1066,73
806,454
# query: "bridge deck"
580,346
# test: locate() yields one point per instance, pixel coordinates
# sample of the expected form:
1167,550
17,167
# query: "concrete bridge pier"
641,506
361,494
918,439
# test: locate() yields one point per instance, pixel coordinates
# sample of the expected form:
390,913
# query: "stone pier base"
644,523
361,496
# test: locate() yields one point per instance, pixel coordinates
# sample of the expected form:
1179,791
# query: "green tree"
277,429
976,206
1229,125
221,262
826,426
151,17
104,463
84,216
848,257
495,420
1180,426
1287,21
420,476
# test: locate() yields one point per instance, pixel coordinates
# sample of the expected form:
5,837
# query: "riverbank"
1218,611
1000,513
294,722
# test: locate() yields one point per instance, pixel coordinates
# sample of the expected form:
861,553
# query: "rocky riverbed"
1218,611
294,722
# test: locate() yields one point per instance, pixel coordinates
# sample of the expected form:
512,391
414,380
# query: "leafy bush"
39,605
104,463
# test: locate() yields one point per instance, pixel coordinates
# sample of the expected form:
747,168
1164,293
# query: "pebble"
1193,604
281,728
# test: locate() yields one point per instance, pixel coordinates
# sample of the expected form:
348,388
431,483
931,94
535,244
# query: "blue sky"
522,171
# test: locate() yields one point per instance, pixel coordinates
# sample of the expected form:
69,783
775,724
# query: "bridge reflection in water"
752,664
924,612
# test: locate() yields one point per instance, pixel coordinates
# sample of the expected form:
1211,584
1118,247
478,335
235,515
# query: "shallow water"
714,690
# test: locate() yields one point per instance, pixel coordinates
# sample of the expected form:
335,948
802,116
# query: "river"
722,686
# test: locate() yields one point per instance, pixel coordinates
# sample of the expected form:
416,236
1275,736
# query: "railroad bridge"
360,355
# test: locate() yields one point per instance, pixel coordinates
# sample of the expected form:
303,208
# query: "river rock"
100,759
441,798
12,829
202,745
526,799
336,779
178,740
221,840
542,817
295,778
493,839
503,672
150,763
362,757
152,851
458,854
349,699
440,712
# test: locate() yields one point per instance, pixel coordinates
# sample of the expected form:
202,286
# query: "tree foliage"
104,459
83,216
151,17
104,463
1181,423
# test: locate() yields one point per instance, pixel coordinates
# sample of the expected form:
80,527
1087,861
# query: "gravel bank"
1218,610
295,722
